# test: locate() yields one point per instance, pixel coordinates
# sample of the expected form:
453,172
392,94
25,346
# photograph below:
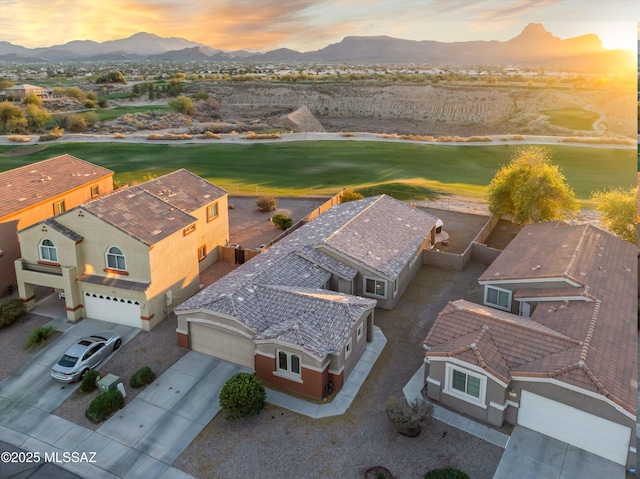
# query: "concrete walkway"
345,396
413,390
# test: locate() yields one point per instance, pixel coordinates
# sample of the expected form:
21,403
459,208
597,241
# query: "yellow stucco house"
130,256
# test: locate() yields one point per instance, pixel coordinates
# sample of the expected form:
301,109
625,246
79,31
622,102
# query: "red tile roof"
589,341
24,187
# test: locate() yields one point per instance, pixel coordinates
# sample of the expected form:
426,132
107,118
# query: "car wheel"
117,344
82,374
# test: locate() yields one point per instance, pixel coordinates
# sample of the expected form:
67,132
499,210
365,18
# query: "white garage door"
222,344
112,309
580,429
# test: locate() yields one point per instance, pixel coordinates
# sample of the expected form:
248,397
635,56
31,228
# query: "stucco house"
130,256
19,92
37,191
301,312
553,348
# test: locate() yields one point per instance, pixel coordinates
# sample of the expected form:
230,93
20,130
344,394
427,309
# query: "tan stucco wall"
11,224
214,233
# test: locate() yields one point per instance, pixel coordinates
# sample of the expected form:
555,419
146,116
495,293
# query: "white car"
86,354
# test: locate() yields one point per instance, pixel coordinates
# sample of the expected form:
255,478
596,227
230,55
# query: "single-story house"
300,313
38,191
130,256
554,346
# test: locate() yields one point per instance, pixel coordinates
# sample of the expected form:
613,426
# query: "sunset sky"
307,25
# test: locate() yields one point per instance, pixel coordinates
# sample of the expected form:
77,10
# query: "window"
359,332
95,191
465,385
58,207
189,230
48,251
497,298
202,252
347,349
212,211
375,287
115,259
288,363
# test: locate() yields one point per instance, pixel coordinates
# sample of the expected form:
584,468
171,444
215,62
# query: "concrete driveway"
141,440
33,387
531,455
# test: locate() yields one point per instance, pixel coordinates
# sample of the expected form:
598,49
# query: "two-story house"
554,346
37,191
130,256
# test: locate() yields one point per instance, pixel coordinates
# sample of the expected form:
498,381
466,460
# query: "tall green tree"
36,117
619,210
531,189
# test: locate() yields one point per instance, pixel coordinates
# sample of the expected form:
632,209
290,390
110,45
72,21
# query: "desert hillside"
435,109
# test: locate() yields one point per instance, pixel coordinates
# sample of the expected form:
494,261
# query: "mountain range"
534,46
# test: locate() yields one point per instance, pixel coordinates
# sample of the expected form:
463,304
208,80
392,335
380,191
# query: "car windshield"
67,361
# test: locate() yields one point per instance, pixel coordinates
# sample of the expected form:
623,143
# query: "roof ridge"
576,252
474,347
592,326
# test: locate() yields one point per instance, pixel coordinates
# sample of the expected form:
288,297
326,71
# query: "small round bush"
266,203
446,473
142,377
282,221
104,405
242,395
10,311
90,381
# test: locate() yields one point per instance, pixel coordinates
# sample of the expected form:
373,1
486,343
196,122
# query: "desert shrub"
118,135
478,138
90,381
32,99
18,125
38,336
103,103
54,134
266,203
19,139
76,123
446,473
10,311
262,136
348,135
408,418
89,104
350,195
242,395
517,137
202,95
282,221
104,405
210,135
142,377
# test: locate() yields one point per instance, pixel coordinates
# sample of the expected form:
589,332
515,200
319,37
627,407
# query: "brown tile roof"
139,214
31,184
294,265
184,190
601,320
113,282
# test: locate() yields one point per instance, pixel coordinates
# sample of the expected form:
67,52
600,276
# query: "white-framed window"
465,384
202,252
288,363
497,298
95,191
375,287
347,349
359,332
188,230
48,251
212,211
116,259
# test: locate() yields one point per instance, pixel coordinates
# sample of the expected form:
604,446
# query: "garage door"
222,344
580,429
112,309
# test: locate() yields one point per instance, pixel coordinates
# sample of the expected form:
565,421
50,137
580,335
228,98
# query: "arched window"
48,251
115,259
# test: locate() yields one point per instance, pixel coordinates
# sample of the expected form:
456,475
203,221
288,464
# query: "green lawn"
573,118
415,170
